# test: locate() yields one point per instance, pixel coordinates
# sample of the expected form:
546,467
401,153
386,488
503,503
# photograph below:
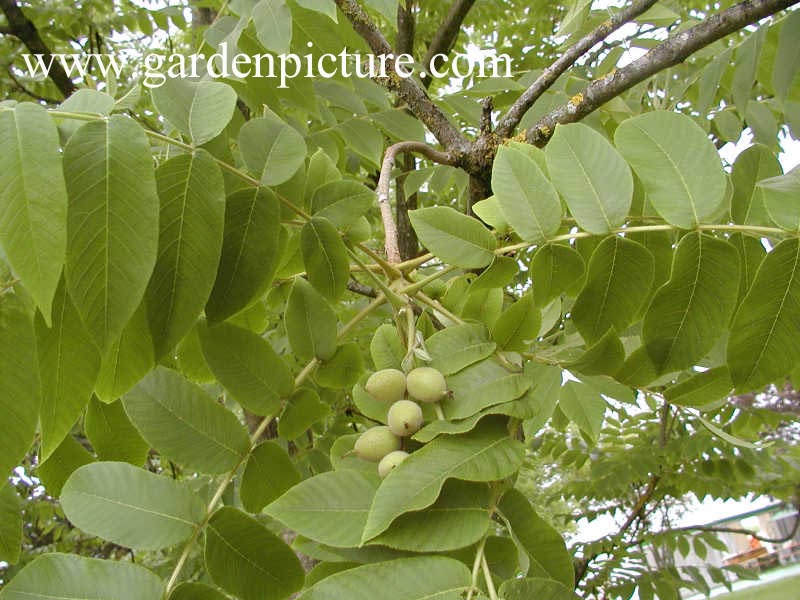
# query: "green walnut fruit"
426,384
387,385
376,443
390,461
404,418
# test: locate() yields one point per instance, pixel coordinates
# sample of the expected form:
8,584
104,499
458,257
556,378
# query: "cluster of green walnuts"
382,444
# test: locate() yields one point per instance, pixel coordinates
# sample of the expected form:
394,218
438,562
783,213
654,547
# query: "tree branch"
549,76
21,87
389,226
713,529
448,135
406,27
23,28
445,37
667,54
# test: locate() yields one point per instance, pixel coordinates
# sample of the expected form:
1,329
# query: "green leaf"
247,366
269,473
19,382
301,412
192,218
33,201
618,282
497,275
536,587
362,138
527,198
518,326
537,537
130,506
273,23
129,358
343,369
112,434
583,406
555,270
745,64
310,323
325,257
458,518
199,110
330,508
702,389
691,311
481,385
271,149
454,348
751,166
112,223
324,7
764,346
604,357
179,419
68,366
196,591
71,577
342,202
246,559
321,171
10,524
454,237
591,175
419,578
722,434
251,251
787,57
386,349
678,165
68,457
782,199
485,454
751,253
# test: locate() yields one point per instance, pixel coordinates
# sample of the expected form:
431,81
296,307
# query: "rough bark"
667,54
447,134
24,30
446,35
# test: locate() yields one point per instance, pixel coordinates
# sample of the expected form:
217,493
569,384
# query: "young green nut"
390,461
426,384
404,418
387,385
376,443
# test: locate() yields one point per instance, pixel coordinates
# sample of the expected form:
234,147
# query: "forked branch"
667,54
542,83
448,135
384,181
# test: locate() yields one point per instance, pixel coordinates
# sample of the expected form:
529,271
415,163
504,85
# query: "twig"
476,567
514,115
389,226
448,135
446,35
487,576
23,29
667,54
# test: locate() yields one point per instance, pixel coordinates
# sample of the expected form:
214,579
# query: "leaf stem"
732,227
476,567
487,575
418,285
